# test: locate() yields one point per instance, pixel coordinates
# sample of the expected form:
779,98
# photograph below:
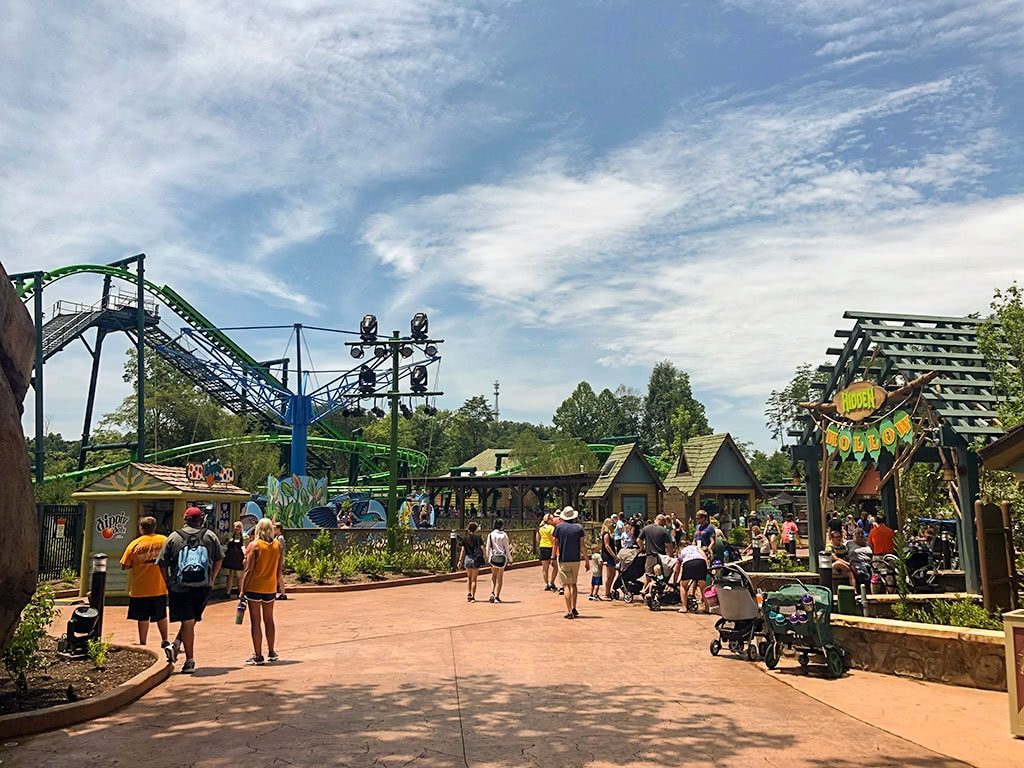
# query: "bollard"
453,544
98,591
825,569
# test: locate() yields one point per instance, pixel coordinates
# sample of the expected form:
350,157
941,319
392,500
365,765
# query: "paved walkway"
416,676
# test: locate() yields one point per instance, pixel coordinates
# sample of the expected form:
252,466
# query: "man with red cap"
189,562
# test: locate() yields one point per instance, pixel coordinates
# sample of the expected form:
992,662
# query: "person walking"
190,560
569,553
771,533
499,555
790,534
545,543
264,566
147,599
607,552
471,555
234,558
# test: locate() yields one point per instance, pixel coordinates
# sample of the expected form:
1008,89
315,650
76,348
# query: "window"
683,468
634,505
608,467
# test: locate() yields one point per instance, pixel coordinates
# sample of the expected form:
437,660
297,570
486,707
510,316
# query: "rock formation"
19,545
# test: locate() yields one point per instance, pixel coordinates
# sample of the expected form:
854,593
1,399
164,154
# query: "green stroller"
799,617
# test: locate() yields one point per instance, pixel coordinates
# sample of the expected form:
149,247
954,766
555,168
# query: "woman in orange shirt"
263,572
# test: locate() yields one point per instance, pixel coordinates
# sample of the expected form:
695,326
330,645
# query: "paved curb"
49,719
302,589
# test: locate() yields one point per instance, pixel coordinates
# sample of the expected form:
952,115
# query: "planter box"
973,658
880,606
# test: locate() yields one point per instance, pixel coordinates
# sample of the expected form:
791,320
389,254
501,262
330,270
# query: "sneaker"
569,616
561,590
171,652
497,599
491,598
282,596
575,613
469,598
252,661
188,667
592,598
272,657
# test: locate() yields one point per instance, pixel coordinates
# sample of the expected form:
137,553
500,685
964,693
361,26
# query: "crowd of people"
173,577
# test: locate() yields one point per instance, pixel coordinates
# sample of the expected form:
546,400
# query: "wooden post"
967,543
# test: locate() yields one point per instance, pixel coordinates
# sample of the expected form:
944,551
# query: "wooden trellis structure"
929,373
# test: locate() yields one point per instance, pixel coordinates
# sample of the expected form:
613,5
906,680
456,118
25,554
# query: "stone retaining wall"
973,658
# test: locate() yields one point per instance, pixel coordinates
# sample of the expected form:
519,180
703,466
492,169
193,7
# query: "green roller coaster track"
330,438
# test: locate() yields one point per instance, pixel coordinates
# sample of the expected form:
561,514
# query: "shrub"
303,567
97,651
347,566
323,545
949,613
737,536
69,576
781,562
323,569
22,653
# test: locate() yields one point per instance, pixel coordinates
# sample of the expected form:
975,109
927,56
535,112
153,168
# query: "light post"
397,347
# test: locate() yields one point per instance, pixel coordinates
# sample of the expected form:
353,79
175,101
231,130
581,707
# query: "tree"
609,415
1001,342
783,406
770,467
577,416
672,415
631,407
471,428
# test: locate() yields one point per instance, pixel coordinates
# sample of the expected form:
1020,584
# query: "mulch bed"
290,579
48,687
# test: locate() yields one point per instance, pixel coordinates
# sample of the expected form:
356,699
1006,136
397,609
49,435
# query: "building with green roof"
712,468
626,485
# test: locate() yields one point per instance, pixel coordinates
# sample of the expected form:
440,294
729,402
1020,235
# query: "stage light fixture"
377,411
429,410
406,411
418,379
430,350
380,352
357,352
405,350
367,380
368,328
418,326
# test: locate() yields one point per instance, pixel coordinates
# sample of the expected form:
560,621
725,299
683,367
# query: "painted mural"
290,499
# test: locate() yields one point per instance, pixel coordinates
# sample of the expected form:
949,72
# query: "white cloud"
857,31
731,239
156,120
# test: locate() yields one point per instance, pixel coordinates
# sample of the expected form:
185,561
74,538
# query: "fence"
60,539
435,542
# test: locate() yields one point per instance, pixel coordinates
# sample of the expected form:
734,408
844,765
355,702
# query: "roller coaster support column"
139,260
90,401
300,412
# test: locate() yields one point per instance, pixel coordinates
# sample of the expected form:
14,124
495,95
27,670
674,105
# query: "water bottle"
240,612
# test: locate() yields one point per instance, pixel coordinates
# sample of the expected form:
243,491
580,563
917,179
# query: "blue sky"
572,190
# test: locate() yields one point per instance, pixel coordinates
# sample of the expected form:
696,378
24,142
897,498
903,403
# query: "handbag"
499,561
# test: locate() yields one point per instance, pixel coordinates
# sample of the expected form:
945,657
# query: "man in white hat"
569,553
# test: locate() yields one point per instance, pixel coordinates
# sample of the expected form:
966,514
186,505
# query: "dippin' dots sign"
113,526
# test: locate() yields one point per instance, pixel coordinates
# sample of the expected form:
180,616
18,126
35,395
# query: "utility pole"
393,465
497,386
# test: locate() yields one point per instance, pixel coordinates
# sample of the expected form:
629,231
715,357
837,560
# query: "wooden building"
627,485
712,467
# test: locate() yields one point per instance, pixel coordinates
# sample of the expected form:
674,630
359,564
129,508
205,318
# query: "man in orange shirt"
147,600
881,537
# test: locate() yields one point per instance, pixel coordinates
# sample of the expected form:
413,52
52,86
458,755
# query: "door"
634,505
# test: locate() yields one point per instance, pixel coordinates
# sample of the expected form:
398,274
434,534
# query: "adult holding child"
264,564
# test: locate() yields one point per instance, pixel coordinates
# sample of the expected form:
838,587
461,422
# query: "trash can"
1013,626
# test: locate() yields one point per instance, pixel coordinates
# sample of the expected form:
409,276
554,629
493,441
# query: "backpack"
193,560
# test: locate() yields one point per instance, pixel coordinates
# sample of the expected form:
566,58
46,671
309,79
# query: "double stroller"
741,623
665,591
629,580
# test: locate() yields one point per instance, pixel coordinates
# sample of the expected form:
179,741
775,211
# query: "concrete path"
417,676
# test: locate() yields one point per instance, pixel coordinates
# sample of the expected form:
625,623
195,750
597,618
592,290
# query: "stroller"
628,581
800,617
665,591
740,624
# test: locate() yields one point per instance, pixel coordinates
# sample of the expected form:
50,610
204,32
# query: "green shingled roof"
486,462
613,466
698,455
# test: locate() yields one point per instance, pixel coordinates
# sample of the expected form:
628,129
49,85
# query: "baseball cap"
193,512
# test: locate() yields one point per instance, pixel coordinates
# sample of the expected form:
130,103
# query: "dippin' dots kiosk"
115,502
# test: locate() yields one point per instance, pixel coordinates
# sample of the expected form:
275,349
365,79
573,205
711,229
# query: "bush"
303,567
781,562
97,651
347,566
22,653
948,613
737,536
323,568
69,576
323,545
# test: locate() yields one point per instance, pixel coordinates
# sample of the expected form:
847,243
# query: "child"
595,571
658,579
147,600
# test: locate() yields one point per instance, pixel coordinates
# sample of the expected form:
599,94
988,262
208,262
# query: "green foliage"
69,576
578,415
899,543
323,545
737,536
97,650
771,468
672,415
22,652
783,406
1001,342
302,566
781,562
323,568
948,613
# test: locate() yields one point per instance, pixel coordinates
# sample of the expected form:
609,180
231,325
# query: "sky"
570,190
